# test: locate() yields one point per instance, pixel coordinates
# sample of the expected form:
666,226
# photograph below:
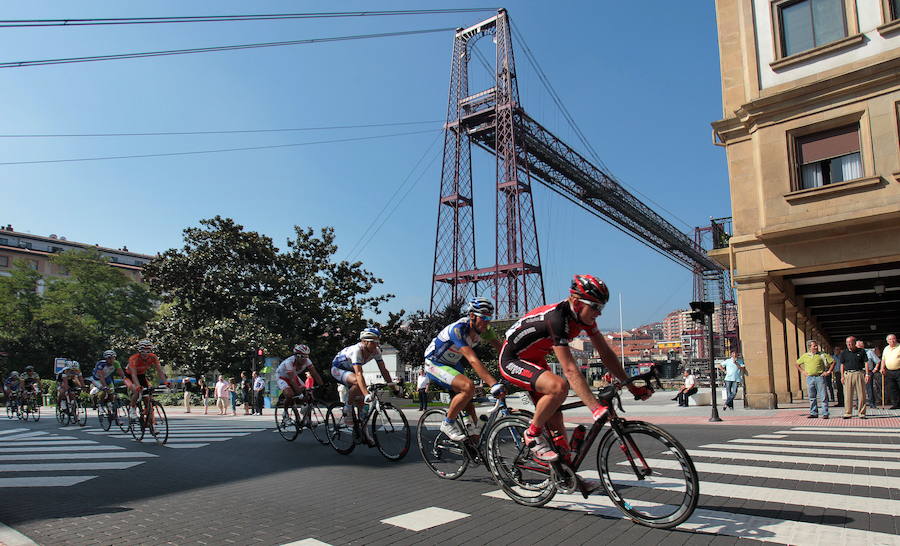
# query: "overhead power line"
226,132
22,64
215,151
225,18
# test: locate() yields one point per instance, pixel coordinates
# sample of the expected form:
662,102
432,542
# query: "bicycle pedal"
586,486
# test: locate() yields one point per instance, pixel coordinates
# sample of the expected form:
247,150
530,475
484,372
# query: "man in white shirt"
259,389
689,388
422,387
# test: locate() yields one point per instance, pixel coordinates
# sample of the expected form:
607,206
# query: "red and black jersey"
533,336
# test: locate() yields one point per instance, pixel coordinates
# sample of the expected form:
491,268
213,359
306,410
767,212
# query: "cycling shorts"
340,375
518,372
283,384
142,380
441,375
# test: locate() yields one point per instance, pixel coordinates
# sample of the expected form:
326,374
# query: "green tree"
229,291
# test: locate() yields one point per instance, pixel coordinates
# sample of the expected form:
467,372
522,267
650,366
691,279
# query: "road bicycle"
304,411
71,410
383,427
111,409
30,406
449,459
643,469
12,406
148,417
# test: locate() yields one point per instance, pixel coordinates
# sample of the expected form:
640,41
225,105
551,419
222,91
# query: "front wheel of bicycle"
104,415
648,474
10,411
317,422
136,420
158,425
79,414
523,479
62,416
340,435
391,432
36,413
287,421
446,458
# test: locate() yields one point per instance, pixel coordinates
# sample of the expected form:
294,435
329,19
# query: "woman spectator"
246,389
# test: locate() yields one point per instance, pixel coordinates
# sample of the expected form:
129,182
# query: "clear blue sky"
643,85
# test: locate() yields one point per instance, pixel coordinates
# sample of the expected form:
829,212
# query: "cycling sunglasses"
598,307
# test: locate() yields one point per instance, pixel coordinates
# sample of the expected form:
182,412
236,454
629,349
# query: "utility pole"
702,312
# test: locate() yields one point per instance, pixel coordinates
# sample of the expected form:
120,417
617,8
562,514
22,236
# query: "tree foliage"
229,291
93,308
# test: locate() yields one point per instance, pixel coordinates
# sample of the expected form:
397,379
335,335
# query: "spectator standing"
221,394
816,366
873,386
855,365
689,389
422,388
204,393
259,390
734,371
232,395
837,378
890,369
246,389
186,384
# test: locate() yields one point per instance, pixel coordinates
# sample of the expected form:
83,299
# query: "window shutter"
834,143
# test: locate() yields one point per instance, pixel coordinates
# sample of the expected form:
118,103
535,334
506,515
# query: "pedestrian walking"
204,393
890,369
689,389
259,390
422,387
734,371
837,378
186,384
246,389
816,365
221,392
233,395
855,366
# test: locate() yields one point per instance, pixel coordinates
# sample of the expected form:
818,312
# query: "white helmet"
14,374
74,365
301,349
145,344
109,353
482,307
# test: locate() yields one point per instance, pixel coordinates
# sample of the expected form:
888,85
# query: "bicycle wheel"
158,424
522,478
62,416
36,412
287,421
10,412
120,415
390,429
317,422
104,415
340,436
136,418
649,475
446,458
79,413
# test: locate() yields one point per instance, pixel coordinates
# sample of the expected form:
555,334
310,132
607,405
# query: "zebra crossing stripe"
800,450
851,429
44,481
773,436
870,445
94,447
755,471
70,456
49,441
185,446
13,431
738,525
862,463
24,435
62,467
835,432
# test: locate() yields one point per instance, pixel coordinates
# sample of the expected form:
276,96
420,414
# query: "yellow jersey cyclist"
549,329
288,373
346,368
68,377
102,375
32,382
445,360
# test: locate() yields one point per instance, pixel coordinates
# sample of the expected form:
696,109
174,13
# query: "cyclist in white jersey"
447,354
346,368
288,373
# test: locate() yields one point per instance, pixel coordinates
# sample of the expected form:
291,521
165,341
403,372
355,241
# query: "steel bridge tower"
515,281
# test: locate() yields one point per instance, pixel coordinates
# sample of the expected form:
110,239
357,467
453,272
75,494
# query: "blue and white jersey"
444,349
110,368
353,356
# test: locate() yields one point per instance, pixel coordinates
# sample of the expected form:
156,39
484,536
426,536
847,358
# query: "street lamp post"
702,312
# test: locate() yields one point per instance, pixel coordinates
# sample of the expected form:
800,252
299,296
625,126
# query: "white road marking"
771,436
860,463
835,432
63,467
874,447
11,537
306,542
60,441
13,431
24,435
185,446
425,518
801,450
44,481
69,456
94,447
875,430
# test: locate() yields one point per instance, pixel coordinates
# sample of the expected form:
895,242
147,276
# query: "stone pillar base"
783,397
798,396
762,401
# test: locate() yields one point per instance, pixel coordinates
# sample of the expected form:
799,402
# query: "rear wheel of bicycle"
649,475
287,421
340,436
446,458
390,430
522,478
158,425
317,422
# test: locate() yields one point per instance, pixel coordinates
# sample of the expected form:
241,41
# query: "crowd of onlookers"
247,391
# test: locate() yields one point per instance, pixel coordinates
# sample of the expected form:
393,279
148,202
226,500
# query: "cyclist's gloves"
498,390
598,412
640,393
368,398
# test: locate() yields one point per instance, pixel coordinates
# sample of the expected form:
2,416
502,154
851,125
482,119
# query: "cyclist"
102,376
550,328
136,370
11,389
288,373
65,379
32,383
346,368
447,354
